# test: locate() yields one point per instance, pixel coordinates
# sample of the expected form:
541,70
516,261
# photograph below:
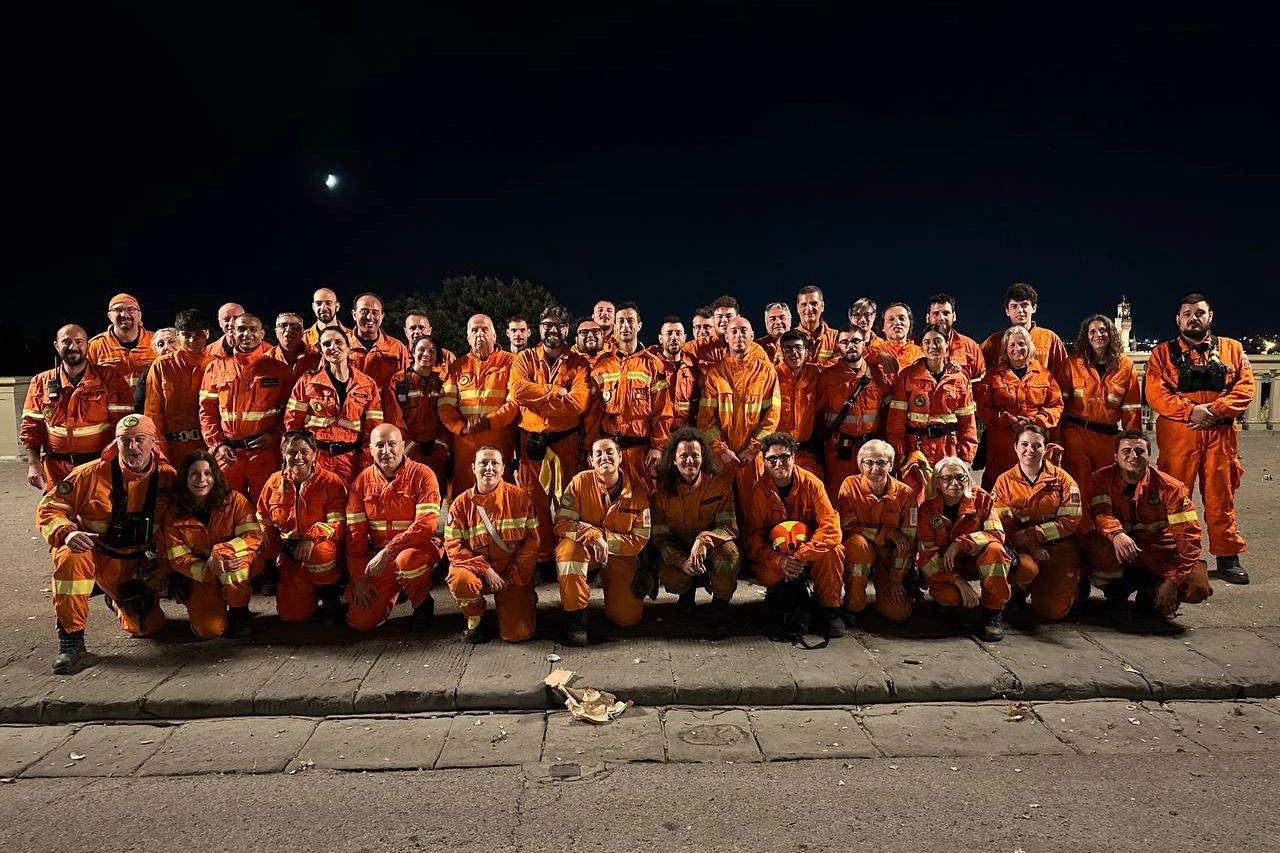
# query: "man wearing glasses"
292,349
125,345
797,390
850,398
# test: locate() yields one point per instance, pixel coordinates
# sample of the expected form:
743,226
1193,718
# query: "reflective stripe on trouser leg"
571,569
828,577
296,592
882,576
72,582
859,554
468,589
723,564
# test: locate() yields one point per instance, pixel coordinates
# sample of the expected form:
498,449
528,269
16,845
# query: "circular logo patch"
64,488
130,421
606,395
317,405
464,380
920,400
1153,499
48,411
938,520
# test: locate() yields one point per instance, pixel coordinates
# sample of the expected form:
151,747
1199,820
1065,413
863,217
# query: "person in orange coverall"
491,537
242,400
302,510
878,522
695,527
100,523
1100,397
292,350
474,405
897,320
821,338
339,405
125,345
679,368
960,539
1014,393
603,523
412,401
740,404
1040,507
1198,384
850,377
961,350
173,387
393,510
1020,303
1146,537
373,352
798,397
70,411
931,409
210,537
788,493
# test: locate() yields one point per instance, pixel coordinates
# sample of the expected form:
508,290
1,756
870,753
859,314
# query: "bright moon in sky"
331,181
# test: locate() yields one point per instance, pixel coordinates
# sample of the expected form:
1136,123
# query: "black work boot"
71,651
721,618
239,623
422,616
1119,613
992,625
475,636
331,605
644,583
1230,570
832,624
849,617
545,572
687,604
576,630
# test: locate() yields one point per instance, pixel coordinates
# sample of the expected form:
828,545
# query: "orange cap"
123,299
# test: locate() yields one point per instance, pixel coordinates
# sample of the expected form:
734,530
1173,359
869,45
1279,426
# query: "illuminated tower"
1124,323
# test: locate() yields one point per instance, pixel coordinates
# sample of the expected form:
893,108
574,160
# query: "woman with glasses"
1040,508
210,538
412,401
1016,392
961,540
878,522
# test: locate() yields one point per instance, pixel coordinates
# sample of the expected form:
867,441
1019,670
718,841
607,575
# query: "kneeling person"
491,537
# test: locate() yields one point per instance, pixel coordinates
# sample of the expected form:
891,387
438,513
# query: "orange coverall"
808,504
472,551
798,403
243,397
933,416
311,335
835,384
173,401
535,387
418,417
342,429
1208,454
1050,351
704,511
822,343
306,362
223,347
588,513
634,408
740,405
981,556
682,394
475,388
964,352
865,520
317,511
1050,510
186,543
106,351
1161,518
1002,398
905,352
82,501
74,428
401,515
387,358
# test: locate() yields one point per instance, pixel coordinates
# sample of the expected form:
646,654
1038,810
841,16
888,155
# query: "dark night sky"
666,157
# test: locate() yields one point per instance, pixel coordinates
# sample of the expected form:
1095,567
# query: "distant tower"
1124,323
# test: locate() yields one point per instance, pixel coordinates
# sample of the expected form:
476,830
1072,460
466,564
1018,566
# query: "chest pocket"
1036,394
91,405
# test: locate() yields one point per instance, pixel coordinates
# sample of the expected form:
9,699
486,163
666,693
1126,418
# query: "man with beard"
173,387
1020,303
632,390
325,305
682,401
291,350
1199,383
777,320
962,350
100,523
375,354
797,390
740,404
70,411
822,338
588,342
603,314
851,396
393,508
473,402
518,334
417,325
125,345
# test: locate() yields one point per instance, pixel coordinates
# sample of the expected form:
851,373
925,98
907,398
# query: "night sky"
665,157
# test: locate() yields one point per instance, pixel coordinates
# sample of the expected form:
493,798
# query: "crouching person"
209,540
302,510
1146,539
491,537
786,492
100,522
695,526
602,524
393,510
960,539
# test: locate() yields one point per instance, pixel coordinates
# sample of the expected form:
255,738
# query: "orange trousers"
207,606
864,560
722,562
74,575
566,451
296,593
990,567
621,606
345,466
1054,583
1083,452
1211,456
409,571
827,574
434,456
1156,553
251,470
517,605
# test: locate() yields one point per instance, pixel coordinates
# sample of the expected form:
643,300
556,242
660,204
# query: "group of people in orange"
319,467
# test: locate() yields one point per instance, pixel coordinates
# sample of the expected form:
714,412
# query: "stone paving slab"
941,669
493,740
506,675
355,743
1242,658
844,673
733,671
787,735
637,669
318,680
24,682
1172,667
1064,664
412,676
1220,727
635,736
220,678
22,746
709,736
108,750
117,686
1271,634
946,729
236,745
1109,727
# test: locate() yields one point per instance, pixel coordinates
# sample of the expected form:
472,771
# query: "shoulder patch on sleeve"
566,499
1073,497
64,488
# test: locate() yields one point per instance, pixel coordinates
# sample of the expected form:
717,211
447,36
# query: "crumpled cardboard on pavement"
585,703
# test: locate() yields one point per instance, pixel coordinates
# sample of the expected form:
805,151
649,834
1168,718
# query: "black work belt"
185,435
1105,429
108,551
337,448
242,443
933,430
73,458
553,437
625,441
856,440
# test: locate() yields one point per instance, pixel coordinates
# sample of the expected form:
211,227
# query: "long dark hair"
181,495
1085,349
668,476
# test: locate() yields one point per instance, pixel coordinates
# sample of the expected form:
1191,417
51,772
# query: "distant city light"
331,181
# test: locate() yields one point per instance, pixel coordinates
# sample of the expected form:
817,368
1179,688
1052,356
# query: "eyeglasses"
863,315
780,459
589,333
288,325
875,463
553,325
793,347
953,478
129,310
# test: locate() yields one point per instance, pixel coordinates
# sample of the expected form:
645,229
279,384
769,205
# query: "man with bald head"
740,403
393,509
325,305
473,401
70,410
100,523
225,346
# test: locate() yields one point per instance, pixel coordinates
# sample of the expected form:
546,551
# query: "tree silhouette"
459,297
